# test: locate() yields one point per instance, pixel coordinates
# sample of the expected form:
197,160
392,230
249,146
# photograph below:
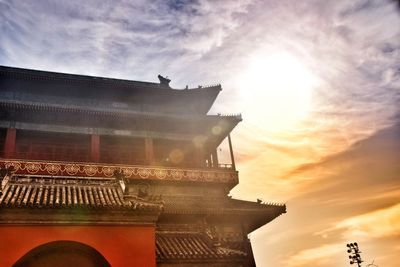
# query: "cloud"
132,37
338,200
377,232
318,256
376,224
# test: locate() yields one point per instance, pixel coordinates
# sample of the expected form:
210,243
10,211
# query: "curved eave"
209,94
215,128
198,100
226,124
254,214
258,214
113,112
261,218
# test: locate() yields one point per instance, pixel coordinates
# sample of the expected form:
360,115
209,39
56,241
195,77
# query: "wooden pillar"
9,146
199,154
149,150
215,158
209,161
95,148
231,151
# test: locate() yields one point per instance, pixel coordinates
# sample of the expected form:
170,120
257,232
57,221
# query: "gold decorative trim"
71,169
160,173
23,167
90,170
108,171
32,167
177,174
52,168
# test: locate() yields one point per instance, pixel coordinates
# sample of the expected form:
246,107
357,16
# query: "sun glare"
278,88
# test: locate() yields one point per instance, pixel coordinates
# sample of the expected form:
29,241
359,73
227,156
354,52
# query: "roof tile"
17,194
191,246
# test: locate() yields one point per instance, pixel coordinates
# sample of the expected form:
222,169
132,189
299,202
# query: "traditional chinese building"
98,172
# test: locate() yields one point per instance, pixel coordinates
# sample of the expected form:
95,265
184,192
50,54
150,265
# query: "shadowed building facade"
98,172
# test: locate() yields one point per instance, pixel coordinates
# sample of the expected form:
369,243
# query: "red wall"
121,245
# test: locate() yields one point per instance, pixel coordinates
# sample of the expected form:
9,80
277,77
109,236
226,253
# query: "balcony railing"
82,169
225,166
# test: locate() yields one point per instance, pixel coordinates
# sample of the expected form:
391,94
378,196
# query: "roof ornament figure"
143,190
164,80
120,177
5,174
6,171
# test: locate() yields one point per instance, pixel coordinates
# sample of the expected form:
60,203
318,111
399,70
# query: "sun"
277,89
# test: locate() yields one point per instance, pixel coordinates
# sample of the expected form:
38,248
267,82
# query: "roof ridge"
72,76
93,78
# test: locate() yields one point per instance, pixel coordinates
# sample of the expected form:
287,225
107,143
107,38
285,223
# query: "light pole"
354,254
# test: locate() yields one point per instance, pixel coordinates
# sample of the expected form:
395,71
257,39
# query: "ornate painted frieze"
22,167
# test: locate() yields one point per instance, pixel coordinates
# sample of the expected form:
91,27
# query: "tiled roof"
196,205
256,214
156,96
191,246
18,194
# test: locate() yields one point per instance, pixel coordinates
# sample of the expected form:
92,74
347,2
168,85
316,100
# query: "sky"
317,84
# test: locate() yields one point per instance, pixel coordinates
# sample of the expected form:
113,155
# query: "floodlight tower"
354,252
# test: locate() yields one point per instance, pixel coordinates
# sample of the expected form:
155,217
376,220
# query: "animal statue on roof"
120,178
164,80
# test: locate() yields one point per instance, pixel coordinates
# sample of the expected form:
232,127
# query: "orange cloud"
376,224
317,256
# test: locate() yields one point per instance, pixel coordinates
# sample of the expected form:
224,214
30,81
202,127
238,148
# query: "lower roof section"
44,200
39,193
253,214
78,196
193,247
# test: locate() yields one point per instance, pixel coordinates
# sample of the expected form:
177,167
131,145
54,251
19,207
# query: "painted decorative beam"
90,170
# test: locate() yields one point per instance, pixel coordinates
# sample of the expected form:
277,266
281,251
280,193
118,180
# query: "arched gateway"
62,254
